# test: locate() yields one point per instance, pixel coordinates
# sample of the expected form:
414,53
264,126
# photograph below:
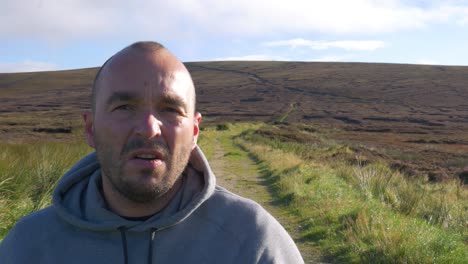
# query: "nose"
148,126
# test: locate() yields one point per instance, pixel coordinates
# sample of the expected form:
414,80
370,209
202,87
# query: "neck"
125,207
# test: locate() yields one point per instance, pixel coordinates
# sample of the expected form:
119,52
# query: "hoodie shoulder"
240,214
28,235
261,237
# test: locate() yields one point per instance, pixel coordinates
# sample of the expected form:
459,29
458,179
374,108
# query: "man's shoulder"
28,232
34,223
236,213
260,236
224,199
37,218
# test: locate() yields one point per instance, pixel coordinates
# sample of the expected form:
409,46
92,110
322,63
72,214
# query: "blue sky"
37,35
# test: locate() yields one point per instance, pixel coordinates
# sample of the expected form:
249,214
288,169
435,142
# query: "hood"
79,201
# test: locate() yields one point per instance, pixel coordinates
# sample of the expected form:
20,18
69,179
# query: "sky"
42,35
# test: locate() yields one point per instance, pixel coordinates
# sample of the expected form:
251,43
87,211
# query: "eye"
170,109
122,107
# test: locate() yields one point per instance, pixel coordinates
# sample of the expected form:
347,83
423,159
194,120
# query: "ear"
89,128
196,128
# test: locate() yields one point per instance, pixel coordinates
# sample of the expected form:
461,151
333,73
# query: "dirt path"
239,174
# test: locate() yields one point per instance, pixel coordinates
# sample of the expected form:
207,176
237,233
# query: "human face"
144,126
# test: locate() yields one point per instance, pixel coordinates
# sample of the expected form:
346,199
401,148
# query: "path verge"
238,173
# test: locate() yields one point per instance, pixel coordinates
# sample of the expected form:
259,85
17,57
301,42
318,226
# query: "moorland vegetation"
350,205
369,160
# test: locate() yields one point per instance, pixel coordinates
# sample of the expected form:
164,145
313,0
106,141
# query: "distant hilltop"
366,96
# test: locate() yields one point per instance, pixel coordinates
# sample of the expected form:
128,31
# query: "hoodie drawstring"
124,244
150,248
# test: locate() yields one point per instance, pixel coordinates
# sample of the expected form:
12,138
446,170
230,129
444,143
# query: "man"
147,195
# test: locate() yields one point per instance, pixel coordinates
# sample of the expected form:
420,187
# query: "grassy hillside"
348,203
353,205
420,111
372,159
29,172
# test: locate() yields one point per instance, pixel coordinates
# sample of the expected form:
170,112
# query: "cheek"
114,122
111,131
176,136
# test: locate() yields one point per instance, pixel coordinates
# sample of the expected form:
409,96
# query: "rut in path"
241,175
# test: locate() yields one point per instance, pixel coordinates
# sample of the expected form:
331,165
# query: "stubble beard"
113,171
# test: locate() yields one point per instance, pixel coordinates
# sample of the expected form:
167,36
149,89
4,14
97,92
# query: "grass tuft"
362,211
28,175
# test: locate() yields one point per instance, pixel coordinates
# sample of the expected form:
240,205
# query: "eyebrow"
121,96
175,101
129,96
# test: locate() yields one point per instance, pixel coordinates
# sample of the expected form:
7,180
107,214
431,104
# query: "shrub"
221,127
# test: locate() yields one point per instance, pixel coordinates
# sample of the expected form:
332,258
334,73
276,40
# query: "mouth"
145,159
146,155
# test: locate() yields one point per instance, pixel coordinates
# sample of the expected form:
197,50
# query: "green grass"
362,212
352,207
28,175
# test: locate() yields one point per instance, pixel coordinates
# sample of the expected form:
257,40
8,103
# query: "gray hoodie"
204,223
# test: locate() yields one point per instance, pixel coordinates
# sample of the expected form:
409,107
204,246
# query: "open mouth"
146,159
146,156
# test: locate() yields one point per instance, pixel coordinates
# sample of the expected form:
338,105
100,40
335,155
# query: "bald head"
143,101
162,61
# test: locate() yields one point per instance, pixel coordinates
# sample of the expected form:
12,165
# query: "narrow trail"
241,175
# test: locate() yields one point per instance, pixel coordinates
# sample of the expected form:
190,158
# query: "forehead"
145,74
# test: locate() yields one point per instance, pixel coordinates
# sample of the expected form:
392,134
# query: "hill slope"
361,94
420,109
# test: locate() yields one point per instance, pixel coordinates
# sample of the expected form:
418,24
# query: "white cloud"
333,58
463,20
265,57
427,62
26,66
358,45
60,20
253,57
53,19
